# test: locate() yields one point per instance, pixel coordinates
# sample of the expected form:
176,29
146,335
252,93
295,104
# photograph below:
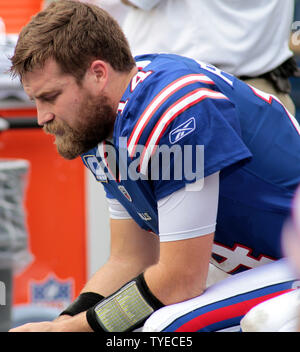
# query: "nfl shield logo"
52,291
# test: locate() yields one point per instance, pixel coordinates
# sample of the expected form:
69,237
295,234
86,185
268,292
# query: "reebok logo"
183,130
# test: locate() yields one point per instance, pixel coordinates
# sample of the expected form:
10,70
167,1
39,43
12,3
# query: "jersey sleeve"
108,194
197,135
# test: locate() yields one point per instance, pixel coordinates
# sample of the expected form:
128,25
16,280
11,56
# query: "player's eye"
50,98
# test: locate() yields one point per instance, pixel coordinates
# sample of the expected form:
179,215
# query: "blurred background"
54,231
64,236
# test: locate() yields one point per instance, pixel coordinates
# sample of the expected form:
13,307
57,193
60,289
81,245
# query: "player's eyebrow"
47,94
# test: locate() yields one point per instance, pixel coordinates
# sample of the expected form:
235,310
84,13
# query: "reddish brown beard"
95,124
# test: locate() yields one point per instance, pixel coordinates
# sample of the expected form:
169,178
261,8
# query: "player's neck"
119,83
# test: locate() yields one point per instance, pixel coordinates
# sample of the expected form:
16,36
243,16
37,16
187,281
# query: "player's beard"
95,123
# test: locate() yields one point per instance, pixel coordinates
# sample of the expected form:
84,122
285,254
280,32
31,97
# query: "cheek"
68,109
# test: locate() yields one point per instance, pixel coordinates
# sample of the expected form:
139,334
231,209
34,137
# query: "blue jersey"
199,115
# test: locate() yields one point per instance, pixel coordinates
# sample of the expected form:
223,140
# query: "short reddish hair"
74,34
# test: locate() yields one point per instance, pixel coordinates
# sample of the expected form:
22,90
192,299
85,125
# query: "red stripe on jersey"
156,104
173,111
121,106
268,99
225,313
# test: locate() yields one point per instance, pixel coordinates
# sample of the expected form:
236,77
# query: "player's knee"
279,314
255,320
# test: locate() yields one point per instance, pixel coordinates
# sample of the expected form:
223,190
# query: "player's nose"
43,114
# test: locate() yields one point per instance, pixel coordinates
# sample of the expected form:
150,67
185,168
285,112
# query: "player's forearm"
108,279
78,323
114,274
132,251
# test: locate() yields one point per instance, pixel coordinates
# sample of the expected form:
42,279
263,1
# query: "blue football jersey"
180,120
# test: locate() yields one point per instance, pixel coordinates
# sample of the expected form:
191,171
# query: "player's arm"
186,224
132,251
181,272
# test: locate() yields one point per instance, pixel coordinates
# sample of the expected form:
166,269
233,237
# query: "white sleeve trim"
188,214
116,210
145,4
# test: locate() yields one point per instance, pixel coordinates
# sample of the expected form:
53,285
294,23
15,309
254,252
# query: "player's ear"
99,70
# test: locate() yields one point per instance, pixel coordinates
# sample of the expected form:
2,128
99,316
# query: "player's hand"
45,326
78,323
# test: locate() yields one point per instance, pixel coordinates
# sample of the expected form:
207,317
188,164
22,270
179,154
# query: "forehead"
46,78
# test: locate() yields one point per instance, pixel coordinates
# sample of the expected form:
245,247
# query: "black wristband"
143,287
83,302
98,315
